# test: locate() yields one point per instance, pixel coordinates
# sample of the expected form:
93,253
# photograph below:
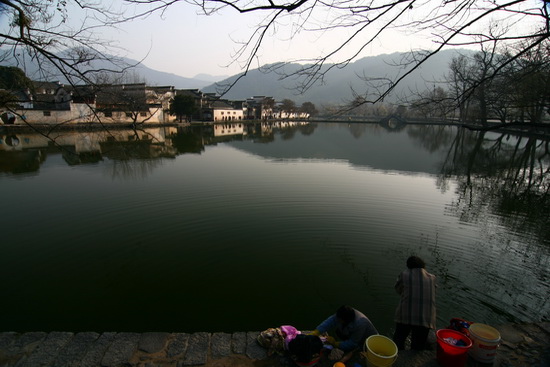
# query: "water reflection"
501,180
499,173
505,172
486,235
24,152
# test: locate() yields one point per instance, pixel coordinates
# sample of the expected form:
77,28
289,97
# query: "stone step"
90,349
521,345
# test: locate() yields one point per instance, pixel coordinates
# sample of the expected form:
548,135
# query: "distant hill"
210,78
338,83
336,88
150,76
155,77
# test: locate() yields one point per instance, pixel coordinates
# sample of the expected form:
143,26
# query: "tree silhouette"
447,24
39,31
183,106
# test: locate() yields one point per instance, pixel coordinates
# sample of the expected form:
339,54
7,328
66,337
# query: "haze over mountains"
336,88
338,83
140,72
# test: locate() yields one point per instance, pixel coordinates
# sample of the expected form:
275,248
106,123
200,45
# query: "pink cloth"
289,333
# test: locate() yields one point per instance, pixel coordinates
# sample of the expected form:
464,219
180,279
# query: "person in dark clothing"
351,327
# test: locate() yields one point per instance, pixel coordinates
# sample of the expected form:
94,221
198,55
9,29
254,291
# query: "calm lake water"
237,228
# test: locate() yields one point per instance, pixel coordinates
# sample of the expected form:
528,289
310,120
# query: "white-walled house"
291,115
54,103
223,111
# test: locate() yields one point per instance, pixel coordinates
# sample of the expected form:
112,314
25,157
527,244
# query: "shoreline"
521,345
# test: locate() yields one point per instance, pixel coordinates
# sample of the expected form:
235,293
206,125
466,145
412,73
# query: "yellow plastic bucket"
485,341
380,351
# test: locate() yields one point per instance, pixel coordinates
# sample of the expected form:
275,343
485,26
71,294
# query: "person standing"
416,311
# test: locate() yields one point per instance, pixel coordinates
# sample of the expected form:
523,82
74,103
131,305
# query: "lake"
244,227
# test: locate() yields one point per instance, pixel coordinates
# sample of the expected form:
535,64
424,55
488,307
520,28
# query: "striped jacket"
417,304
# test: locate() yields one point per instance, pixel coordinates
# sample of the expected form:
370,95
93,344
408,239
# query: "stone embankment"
522,345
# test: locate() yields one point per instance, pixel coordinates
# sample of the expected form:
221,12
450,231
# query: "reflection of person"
415,313
351,328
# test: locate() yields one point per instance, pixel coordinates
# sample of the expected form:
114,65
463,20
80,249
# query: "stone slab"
153,342
47,351
253,349
238,343
545,326
75,349
7,338
510,334
121,349
220,345
96,351
178,345
197,349
26,343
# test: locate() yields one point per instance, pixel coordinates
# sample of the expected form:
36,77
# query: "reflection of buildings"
261,128
82,141
24,152
228,129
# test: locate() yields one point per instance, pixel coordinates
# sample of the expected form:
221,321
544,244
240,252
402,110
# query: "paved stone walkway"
522,345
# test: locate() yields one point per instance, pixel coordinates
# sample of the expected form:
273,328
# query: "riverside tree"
38,32
11,78
518,91
39,28
309,108
288,106
183,106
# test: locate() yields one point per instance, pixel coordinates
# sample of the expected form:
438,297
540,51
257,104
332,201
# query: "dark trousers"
418,337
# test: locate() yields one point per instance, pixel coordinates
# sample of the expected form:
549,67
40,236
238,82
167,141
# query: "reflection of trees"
357,130
132,169
501,181
499,173
432,137
124,146
307,129
265,132
189,140
288,131
288,134
18,162
73,158
132,159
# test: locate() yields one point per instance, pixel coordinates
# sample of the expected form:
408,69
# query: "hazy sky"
186,43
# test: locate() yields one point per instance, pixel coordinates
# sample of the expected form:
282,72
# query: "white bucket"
485,341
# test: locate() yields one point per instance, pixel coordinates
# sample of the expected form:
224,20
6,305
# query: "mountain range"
138,72
340,84
337,87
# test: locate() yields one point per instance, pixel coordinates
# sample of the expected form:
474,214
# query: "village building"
259,108
134,103
55,103
202,100
224,111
